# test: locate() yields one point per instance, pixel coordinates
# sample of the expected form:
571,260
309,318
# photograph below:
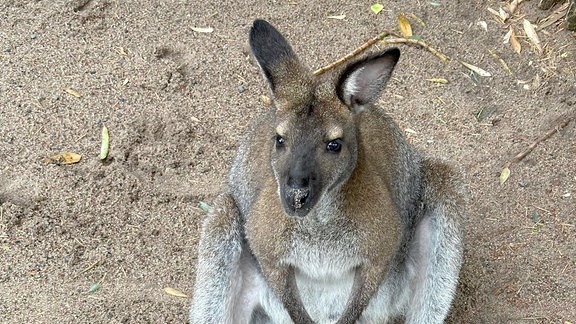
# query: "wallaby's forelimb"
292,301
359,299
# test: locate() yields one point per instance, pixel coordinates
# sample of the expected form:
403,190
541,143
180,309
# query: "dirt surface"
176,102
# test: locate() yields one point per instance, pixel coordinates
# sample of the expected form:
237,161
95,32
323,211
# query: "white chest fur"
324,256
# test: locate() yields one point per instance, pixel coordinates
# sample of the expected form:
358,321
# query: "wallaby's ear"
273,53
362,81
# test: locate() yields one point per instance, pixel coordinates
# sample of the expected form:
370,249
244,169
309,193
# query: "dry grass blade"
514,41
105,146
173,292
73,92
203,29
554,17
438,80
63,158
496,15
532,35
499,59
337,17
475,69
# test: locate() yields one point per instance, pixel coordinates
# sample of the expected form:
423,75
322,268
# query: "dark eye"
334,146
279,140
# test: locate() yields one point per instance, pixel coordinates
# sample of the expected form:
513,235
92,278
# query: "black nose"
297,194
298,197
298,182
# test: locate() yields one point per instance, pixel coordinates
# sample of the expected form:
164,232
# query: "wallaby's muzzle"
296,199
297,194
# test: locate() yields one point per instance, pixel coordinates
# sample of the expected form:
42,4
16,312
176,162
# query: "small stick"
417,42
350,55
542,138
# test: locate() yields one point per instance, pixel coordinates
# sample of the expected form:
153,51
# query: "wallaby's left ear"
362,81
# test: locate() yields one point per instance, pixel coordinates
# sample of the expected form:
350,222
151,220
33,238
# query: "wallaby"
330,215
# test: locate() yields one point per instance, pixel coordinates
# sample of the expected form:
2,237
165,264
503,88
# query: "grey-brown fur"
330,216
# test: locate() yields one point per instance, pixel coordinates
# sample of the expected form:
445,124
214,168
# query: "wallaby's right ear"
362,82
273,53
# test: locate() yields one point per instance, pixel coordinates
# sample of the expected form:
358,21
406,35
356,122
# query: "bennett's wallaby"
330,216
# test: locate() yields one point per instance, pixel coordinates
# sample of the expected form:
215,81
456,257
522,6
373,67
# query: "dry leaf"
338,17
105,147
266,100
63,158
495,13
476,69
503,14
203,29
504,175
73,92
507,36
532,35
405,27
483,25
514,41
174,292
410,130
120,50
513,6
437,80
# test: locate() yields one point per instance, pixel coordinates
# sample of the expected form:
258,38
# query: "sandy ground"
176,101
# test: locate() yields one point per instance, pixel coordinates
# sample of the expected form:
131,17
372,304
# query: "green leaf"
416,37
205,207
376,8
434,3
504,175
94,287
535,217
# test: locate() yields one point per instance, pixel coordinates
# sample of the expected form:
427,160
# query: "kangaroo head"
314,144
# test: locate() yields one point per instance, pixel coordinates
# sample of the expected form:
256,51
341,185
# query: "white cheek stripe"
334,132
282,128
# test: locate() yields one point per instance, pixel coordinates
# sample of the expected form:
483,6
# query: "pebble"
34,35
241,88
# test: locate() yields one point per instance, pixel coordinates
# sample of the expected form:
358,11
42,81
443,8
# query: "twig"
374,40
542,138
350,55
417,42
